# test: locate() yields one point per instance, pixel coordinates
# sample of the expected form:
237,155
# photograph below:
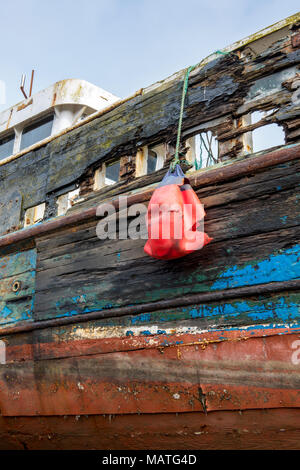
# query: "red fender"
173,218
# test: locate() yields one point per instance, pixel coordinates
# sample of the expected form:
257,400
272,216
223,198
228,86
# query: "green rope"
220,52
176,159
198,164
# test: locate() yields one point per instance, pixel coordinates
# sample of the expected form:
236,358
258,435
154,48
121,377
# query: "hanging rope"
176,159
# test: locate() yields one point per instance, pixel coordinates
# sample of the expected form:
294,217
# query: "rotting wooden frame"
58,165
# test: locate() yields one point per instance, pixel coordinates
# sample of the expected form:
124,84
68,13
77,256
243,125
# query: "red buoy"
174,218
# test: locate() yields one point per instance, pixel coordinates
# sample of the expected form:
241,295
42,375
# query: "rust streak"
24,105
203,344
54,99
9,119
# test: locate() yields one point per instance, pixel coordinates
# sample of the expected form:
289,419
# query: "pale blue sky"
120,45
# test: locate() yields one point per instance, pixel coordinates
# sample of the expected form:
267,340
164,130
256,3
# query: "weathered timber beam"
202,178
251,127
248,291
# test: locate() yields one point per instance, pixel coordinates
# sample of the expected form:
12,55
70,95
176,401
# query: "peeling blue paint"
144,317
282,309
281,266
17,263
6,312
17,266
277,267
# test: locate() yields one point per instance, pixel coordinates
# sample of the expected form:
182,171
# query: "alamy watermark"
296,354
162,221
2,352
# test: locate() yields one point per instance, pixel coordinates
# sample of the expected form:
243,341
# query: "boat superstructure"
49,112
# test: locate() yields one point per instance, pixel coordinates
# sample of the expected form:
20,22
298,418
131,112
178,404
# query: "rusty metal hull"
214,390
201,372
234,389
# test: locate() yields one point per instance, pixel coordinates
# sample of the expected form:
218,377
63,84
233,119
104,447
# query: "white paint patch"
153,332
120,331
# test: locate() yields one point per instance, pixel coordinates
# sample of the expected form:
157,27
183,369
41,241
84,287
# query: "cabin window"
34,214
150,159
271,135
112,172
36,132
156,158
106,175
66,201
268,136
6,146
202,150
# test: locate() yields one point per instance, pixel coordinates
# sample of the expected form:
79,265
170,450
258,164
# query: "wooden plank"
228,430
10,211
158,329
16,306
246,292
28,176
17,263
17,287
78,287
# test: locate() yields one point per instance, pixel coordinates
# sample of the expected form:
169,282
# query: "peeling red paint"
236,372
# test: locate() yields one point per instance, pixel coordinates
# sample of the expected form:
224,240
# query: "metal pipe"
31,83
23,78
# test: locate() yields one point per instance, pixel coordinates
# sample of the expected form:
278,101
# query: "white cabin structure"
48,113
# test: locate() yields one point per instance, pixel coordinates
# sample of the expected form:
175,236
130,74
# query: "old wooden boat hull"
103,347
215,344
